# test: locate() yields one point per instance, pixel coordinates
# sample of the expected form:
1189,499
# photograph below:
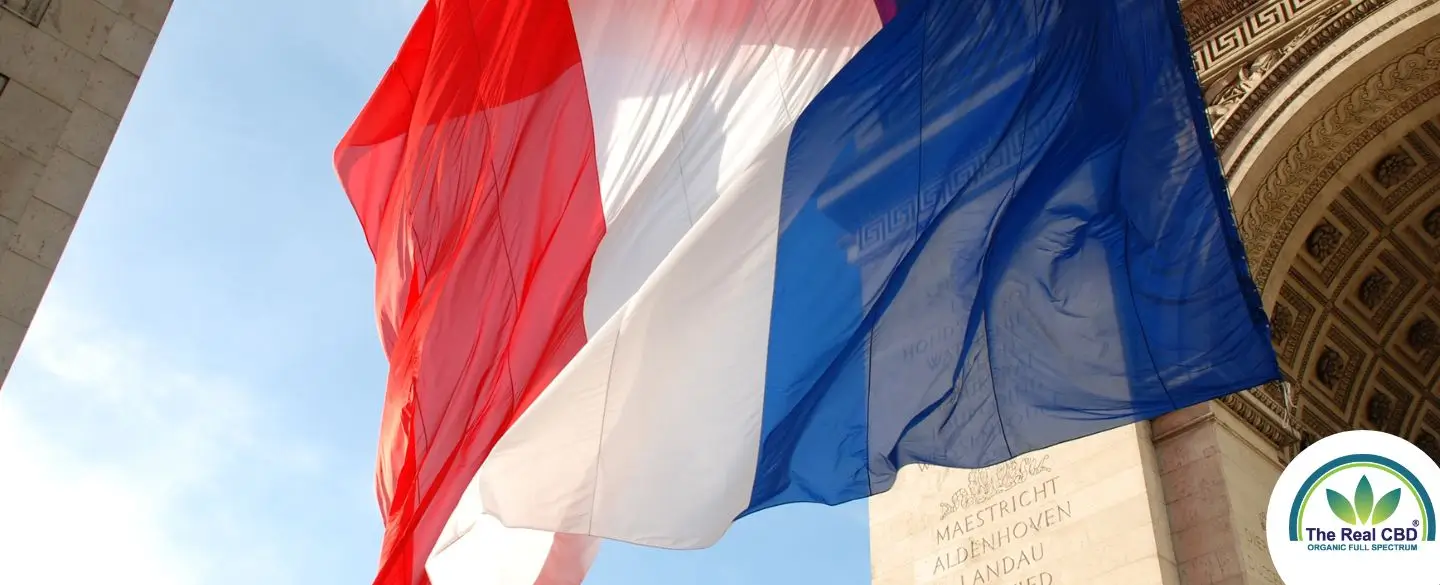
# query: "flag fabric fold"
647,267
472,170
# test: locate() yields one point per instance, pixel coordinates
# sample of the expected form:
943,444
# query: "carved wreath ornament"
984,484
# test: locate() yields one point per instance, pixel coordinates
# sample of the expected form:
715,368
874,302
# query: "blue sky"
198,399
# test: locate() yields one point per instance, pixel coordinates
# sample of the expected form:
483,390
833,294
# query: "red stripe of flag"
472,170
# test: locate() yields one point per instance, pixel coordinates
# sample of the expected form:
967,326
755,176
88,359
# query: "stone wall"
1088,511
1217,473
67,70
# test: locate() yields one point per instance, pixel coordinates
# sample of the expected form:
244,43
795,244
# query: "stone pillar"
1088,511
67,70
1217,473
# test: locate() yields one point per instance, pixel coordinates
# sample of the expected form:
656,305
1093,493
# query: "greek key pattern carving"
1229,91
898,221
902,221
1269,18
1304,48
1203,16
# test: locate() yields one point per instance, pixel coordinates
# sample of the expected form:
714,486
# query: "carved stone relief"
1373,289
1263,22
1430,445
1393,168
1378,410
1203,16
1432,223
1341,130
1230,92
1304,47
1273,29
1423,335
1329,367
1323,241
1370,359
1280,321
1354,290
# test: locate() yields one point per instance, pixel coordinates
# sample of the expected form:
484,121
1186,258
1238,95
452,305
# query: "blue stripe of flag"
1003,227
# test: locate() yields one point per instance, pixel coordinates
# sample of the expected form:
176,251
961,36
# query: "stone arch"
1315,121
1333,157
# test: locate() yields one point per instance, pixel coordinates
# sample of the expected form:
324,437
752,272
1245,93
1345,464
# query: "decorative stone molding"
1204,16
982,485
1226,93
1305,47
1263,419
1367,358
1233,90
1264,22
1393,169
1341,130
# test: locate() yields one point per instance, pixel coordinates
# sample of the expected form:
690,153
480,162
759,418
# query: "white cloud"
108,444
64,520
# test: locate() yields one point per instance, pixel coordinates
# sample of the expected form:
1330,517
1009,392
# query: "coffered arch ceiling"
1356,321
1330,136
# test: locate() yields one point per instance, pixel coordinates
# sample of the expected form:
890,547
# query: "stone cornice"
1305,51
1202,17
1246,407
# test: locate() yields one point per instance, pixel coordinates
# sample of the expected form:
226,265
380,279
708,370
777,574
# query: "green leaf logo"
1365,509
1364,500
1386,506
1341,507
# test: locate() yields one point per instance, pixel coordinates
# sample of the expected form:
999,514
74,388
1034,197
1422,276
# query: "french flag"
644,267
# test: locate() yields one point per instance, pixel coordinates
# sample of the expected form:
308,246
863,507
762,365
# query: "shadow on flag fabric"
644,268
